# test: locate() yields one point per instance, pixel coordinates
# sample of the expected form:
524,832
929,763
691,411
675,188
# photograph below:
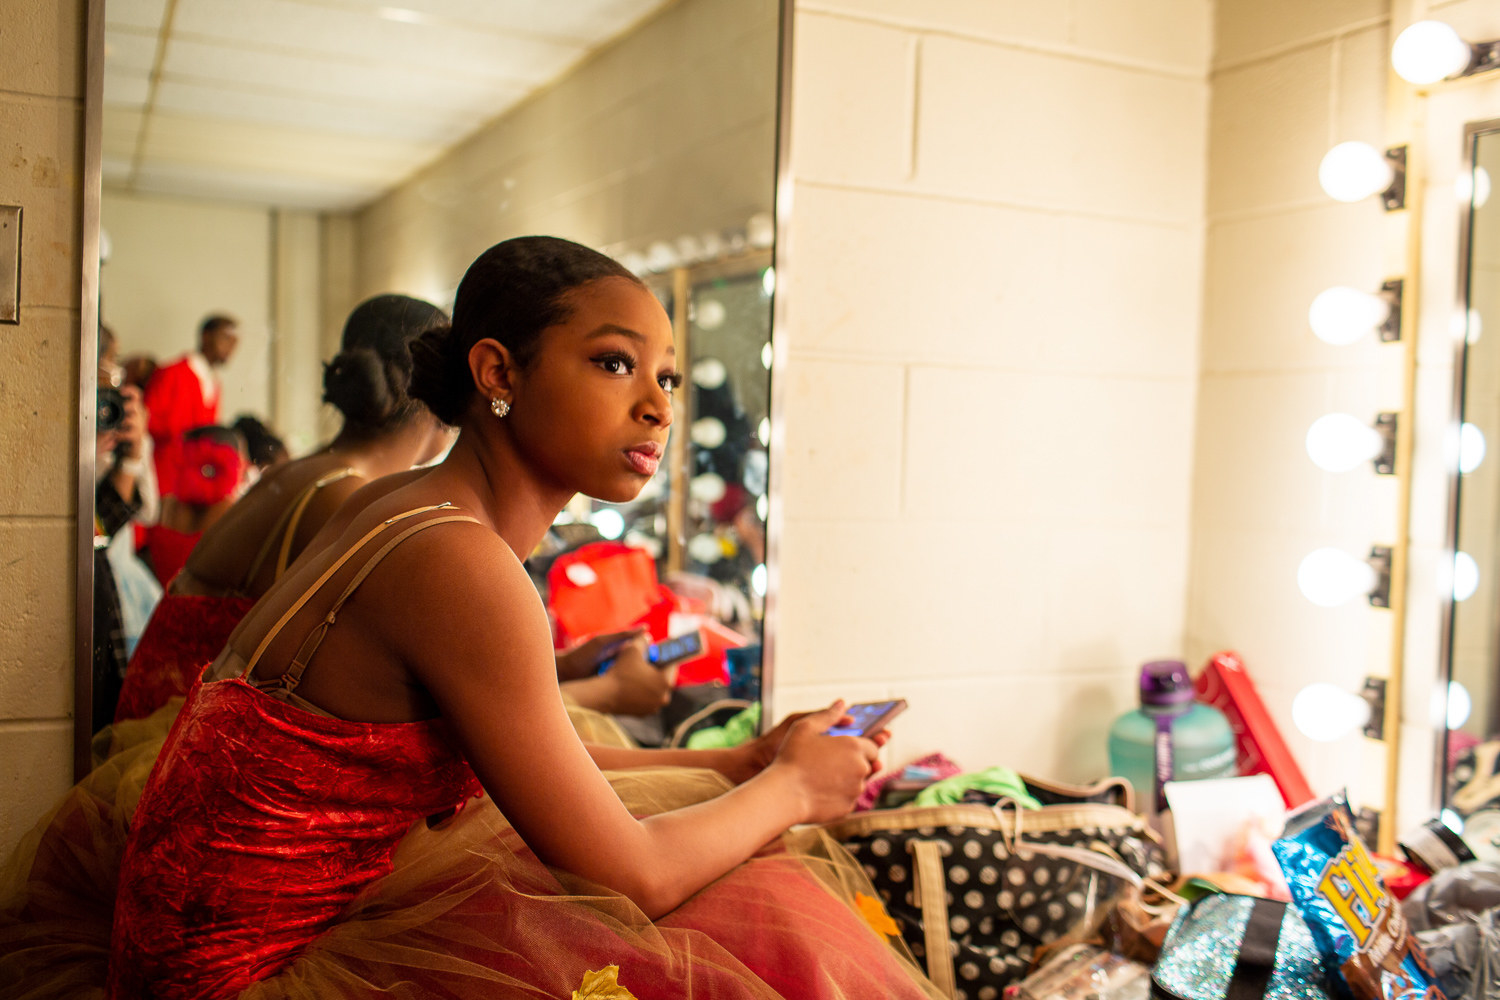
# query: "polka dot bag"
978,889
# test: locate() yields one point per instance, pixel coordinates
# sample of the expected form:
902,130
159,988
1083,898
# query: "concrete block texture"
1244,29
36,637
43,42
844,439
1106,140
40,150
991,285
38,769
39,384
1048,449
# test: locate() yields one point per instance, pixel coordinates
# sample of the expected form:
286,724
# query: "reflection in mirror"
1472,788
406,146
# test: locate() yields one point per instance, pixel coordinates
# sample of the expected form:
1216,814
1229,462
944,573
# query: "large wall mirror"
281,160
1471,757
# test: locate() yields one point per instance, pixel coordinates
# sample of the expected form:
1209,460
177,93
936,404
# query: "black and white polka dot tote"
977,891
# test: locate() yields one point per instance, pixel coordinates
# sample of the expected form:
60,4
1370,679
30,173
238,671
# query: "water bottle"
1171,737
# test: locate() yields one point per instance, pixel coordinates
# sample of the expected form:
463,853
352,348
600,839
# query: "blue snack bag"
1355,922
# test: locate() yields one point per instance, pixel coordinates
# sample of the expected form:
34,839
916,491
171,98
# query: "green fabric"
1001,781
741,728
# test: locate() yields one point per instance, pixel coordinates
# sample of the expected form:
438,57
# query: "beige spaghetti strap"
286,525
338,564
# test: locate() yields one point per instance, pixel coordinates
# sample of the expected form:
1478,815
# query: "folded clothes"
996,782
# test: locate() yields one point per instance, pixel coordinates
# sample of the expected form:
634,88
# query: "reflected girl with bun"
312,826
236,560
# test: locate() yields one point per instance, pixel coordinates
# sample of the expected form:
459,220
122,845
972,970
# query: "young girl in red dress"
311,826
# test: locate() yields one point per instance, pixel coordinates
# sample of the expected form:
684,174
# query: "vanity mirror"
1471,786
283,159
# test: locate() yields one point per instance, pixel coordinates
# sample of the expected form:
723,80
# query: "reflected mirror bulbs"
1429,51
1341,315
1330,577
1471,448
1338,442
1352,171
1465,576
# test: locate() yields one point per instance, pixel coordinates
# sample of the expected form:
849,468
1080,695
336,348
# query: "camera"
111,409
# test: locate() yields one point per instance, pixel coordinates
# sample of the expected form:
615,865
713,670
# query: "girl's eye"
615,364
670,381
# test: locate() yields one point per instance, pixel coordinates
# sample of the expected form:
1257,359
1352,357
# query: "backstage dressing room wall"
993,272
1290,80
41,119
613,155
175,260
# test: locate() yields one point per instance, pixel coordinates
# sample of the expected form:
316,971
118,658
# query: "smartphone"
676,649
869,717
668,652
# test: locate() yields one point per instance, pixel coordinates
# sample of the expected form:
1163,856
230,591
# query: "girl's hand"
831,770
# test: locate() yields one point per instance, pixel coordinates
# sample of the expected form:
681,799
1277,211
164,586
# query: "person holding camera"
124,492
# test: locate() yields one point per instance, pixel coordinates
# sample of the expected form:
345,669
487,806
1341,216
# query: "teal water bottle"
1171,737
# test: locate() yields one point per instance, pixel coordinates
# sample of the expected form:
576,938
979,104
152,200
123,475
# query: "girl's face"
591,411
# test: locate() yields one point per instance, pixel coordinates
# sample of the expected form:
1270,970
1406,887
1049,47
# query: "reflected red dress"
186,631
279,852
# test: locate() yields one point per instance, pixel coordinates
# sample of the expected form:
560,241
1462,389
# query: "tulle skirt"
468,911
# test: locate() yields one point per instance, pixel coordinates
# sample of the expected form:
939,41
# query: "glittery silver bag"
1228,947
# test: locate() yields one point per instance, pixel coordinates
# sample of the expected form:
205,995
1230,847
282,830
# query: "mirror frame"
90,196
88,385
1468,158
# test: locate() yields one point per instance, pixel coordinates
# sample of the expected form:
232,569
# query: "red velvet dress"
279,852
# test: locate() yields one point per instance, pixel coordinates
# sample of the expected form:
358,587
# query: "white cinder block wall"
1290,79
995,268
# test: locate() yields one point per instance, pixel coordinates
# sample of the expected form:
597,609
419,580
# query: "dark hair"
106,340
217,433
214,323
514,291
263,446
368,379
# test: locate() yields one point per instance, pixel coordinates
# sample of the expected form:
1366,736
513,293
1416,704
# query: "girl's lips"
644,460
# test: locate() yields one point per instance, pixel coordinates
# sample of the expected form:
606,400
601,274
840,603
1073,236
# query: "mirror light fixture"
1471,448
1341,315
1353,171
1326,712
1330,577
1431,51
1338,442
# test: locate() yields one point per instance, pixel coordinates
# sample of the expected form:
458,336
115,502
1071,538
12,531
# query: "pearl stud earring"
499,407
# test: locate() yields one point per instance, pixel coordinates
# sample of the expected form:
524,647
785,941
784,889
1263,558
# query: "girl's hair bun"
440,376
359,384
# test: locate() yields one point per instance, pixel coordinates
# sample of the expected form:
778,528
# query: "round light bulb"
1465,576
1474,188
1429,51
768,281
709,487
1341,315
1338,442
708,432
1460,704
760,230
709,373
1471,448
649,544
709,314
758,579
1330,577
608,522
705,548
765,356
1326,712
762,507
763,432
660,256
1352,171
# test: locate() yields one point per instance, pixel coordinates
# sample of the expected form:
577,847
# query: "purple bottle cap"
1165,685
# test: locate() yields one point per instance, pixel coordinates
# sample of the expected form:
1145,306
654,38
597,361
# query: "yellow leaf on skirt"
875,915
603,985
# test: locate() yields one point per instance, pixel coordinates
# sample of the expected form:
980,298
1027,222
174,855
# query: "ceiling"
323,104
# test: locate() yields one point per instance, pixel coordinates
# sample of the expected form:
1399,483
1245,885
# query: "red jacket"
177,400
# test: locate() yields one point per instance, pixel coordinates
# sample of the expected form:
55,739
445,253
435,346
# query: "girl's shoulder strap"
293,674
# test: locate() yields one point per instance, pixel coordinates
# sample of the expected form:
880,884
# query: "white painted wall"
994,274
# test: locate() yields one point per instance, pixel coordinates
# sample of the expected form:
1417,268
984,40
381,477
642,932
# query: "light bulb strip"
1394,197
1386,425
1483,57
1374,693
1392,290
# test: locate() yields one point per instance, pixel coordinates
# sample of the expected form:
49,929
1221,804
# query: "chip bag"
1356,923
